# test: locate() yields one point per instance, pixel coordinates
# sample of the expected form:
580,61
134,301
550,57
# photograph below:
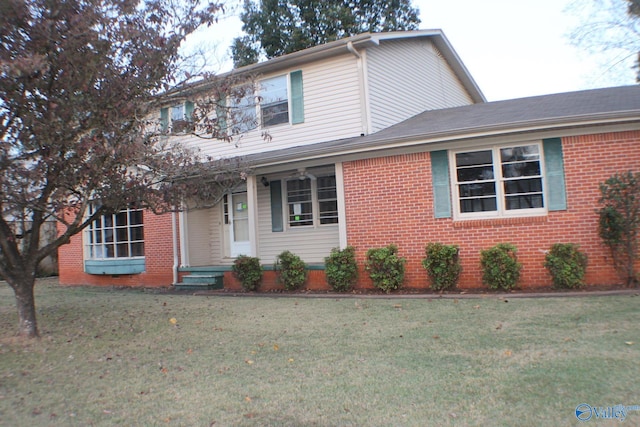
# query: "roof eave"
360,145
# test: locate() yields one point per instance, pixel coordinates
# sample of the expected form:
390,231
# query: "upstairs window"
119,235
274,101
499,181
177,118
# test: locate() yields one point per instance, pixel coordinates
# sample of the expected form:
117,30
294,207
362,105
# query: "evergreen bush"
385,268
442,263
341,269
500,266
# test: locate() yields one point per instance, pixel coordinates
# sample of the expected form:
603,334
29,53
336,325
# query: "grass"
110,357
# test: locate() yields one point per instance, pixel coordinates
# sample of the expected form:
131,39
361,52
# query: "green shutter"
440,178
276,206
297,98
164,119
188,111
554,168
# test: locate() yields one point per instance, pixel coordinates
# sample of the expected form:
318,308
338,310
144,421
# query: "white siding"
408,77
311,244
331,111
199,237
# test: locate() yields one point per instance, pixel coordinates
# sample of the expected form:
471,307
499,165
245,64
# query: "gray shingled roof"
594,106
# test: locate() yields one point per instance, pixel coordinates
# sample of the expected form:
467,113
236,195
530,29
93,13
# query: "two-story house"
378,139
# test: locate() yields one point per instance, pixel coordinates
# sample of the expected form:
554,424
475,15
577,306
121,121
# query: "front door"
239,213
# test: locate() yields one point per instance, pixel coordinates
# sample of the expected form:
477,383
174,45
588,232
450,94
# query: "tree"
278,27
79,85
619,222
609,29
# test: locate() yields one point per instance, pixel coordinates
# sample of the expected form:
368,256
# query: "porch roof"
547,112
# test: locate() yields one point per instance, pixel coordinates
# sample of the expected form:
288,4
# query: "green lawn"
114,357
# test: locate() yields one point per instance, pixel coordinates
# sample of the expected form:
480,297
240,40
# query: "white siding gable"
407,77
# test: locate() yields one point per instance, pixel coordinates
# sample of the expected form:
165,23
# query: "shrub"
385,268
566,264
443,265
248,271
500,266
341,269
291,270
619,222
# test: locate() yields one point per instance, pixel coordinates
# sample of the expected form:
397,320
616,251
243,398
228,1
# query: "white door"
239,213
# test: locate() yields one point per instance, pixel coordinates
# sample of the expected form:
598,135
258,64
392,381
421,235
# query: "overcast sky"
512,48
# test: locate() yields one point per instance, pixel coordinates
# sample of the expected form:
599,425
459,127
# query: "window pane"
517,154
137,233
275,114
474,158
137,249
529,201
135,218
109,251
522,186
478,205
478,189
123,250
273,90
177,112
274,101
300,203
514,170
481,173
108,235
121,219
122,234
329,212
108,221
243,112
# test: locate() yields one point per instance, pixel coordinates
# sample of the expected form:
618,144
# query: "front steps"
202,279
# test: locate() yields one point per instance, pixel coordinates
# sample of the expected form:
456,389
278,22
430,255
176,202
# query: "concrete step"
202,281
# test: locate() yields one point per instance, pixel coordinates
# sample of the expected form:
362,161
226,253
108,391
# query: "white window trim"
501,212
259,104
87,240
315,206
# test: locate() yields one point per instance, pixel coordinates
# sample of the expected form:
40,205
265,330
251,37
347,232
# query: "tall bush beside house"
567,265
291,270
500,266
442,263
248,271
341,269
619,222
385,268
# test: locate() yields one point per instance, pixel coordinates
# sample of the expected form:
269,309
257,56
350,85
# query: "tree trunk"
25,301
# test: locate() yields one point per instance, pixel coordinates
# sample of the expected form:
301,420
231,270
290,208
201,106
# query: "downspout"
176,259
363,98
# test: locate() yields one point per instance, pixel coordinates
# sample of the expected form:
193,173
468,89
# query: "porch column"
342,213
184,238
252,198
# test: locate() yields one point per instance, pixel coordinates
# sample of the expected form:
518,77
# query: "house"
378,139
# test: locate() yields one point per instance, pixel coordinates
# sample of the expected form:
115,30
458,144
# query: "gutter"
174,235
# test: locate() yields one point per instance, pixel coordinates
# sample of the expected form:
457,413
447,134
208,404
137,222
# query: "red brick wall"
158,258
389,200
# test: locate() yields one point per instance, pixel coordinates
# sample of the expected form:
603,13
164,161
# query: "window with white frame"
274,101
119,235
312,201
243,111
499,181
